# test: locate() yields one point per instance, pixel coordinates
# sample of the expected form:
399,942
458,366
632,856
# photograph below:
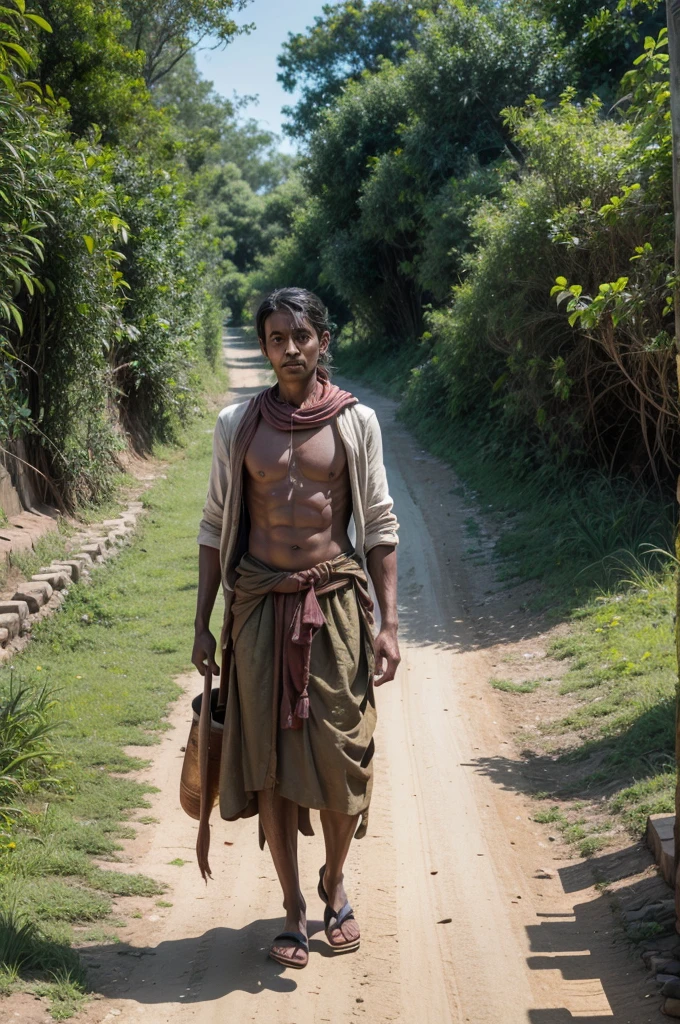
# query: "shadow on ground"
589,949
117,971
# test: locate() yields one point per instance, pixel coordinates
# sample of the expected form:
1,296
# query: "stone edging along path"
47,589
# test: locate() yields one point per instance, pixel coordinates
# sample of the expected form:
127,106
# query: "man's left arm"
381,552
382,567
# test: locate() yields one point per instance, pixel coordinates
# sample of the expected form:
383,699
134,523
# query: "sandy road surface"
467,912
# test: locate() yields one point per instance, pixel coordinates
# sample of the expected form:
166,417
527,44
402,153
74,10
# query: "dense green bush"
60,294
156,347
115,259
503,348
590,209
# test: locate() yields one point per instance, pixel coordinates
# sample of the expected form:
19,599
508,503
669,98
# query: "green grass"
547,817
507,686
616,738
66,992
110,508
49,547
588,837
110,656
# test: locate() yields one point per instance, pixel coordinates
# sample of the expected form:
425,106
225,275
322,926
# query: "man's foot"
342,930
291,946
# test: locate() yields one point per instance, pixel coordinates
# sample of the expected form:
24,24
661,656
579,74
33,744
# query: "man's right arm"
209,565
209,577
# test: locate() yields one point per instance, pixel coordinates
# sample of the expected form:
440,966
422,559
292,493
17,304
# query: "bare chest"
316,455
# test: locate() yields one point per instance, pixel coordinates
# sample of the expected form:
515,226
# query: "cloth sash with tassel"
297,618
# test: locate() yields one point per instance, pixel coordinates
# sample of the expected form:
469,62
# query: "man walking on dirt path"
290,468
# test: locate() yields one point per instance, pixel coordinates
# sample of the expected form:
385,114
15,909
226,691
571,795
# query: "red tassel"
302,706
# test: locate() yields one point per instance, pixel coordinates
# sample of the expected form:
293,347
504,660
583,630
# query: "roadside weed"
507,686
66,991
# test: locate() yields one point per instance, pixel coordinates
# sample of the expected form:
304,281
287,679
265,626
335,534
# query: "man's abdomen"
294,547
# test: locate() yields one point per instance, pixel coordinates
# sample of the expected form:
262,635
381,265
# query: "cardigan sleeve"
210,528
380,521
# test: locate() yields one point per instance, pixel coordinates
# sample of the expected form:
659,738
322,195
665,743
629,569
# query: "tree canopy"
165,31
488,203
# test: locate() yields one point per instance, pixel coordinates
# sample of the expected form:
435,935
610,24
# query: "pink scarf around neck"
329,400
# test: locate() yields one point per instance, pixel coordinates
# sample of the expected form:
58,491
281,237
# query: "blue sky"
248,65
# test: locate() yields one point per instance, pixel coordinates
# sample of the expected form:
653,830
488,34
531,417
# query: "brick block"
74,566
11,622
94,550
57,580
19,608
659,836
34,594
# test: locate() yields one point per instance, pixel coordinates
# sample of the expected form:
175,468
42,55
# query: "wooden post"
673,17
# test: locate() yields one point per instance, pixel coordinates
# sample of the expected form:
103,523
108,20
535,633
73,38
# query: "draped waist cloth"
297,681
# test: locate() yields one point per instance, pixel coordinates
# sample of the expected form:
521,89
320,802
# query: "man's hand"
387,656
203,655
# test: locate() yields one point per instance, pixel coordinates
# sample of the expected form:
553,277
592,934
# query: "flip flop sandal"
345,914
323,895
300,940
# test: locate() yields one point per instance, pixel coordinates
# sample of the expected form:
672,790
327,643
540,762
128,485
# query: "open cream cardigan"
374,520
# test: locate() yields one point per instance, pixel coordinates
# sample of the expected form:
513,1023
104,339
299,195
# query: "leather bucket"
190,782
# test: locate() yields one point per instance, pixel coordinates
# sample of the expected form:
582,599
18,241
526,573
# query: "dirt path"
466,913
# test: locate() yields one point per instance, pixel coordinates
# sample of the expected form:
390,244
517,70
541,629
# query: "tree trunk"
673,16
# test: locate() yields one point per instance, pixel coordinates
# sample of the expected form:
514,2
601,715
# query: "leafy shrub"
595,387
100,261
27,756
157,344
211,327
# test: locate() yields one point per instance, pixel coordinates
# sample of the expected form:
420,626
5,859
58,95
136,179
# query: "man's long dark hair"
302,305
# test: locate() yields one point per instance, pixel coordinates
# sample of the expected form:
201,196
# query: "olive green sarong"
327,763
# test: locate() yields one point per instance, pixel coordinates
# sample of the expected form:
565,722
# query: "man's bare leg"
338,830
279,819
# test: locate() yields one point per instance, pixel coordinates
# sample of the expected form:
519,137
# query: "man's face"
292,350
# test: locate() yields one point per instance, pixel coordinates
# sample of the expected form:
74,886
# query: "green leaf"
40,21
16,315
29,284
89,242
24,54
30,85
